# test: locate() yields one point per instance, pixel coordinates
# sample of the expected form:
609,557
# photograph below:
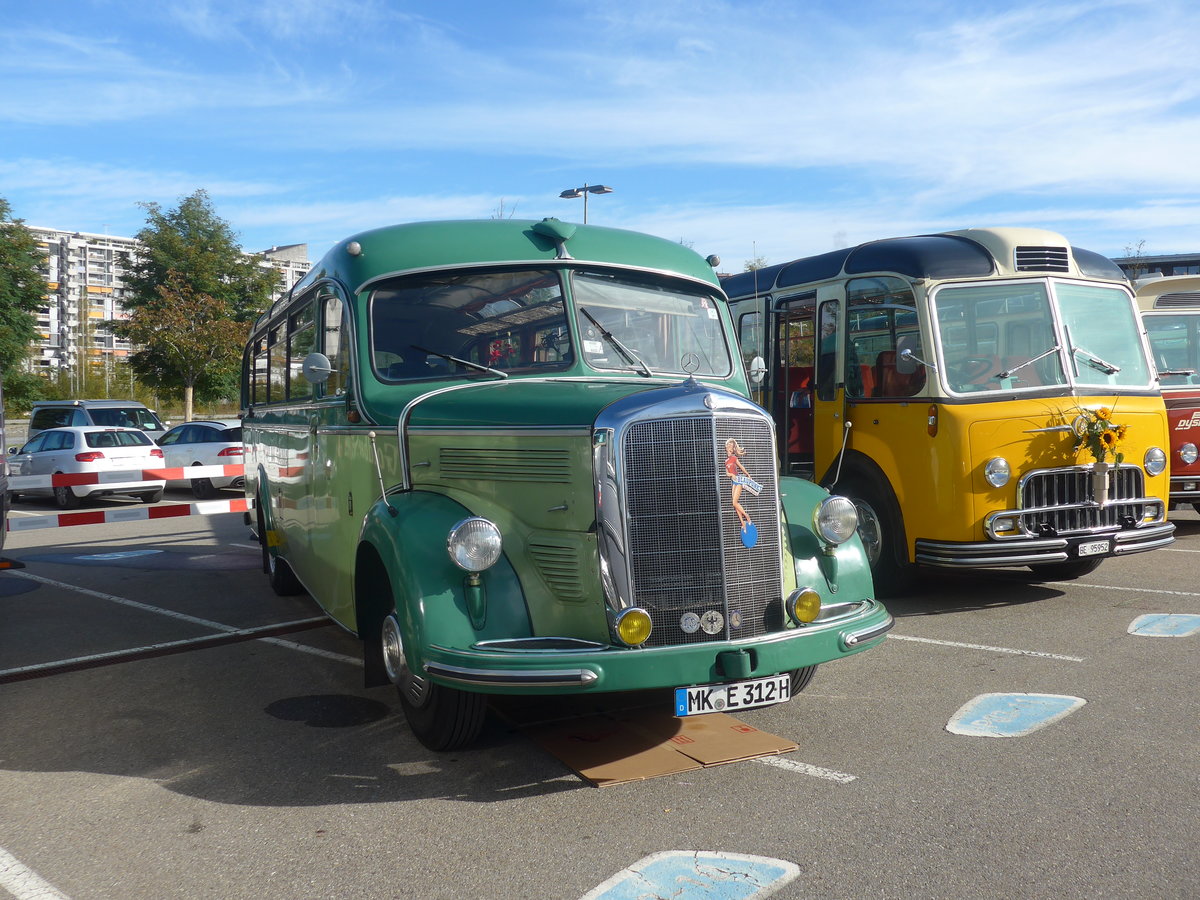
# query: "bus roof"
418,246
973,252
1169,292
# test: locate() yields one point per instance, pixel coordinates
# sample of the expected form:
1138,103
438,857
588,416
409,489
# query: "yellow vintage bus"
985,396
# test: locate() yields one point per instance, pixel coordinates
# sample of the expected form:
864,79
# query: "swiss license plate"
1092,548
710,698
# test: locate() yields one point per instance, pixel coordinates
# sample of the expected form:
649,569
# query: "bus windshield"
1016,335
645,325
1175,343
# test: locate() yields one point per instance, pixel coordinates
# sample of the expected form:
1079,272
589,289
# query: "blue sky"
747,129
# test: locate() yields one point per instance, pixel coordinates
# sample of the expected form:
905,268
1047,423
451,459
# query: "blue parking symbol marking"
697,875
1011,715
1165,625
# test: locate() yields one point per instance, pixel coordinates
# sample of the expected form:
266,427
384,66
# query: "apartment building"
85,290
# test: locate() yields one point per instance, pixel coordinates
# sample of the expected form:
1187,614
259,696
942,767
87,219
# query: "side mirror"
757,370
316,368
906,363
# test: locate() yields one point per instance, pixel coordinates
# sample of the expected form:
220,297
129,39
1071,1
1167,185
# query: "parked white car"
204,443
71,451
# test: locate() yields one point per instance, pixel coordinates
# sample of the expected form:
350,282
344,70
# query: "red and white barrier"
130,514
18,483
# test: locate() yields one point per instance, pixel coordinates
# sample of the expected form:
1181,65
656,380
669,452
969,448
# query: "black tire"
64,498
1065,571
880,533
801,678
441,718
13,497
202,489
279,574
1195,506
152,496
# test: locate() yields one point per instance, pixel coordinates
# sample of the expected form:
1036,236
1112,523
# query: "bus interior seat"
892,383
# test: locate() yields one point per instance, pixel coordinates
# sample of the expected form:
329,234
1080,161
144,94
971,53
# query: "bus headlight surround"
1188,454
835,520
474,544
633,626
996,471
1155,461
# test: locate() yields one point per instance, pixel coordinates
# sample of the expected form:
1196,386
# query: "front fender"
428,589
845,571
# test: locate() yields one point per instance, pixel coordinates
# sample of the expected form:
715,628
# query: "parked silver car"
71,451
110,413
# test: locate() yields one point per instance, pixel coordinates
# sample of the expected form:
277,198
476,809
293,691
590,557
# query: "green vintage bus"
518,457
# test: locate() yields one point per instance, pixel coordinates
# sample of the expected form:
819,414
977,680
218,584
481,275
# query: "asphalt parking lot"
171,728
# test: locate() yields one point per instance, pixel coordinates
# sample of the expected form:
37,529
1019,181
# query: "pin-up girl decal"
740,480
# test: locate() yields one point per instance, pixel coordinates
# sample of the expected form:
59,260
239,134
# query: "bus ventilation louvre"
686,555
1043,259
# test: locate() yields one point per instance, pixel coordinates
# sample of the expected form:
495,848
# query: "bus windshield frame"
1058,334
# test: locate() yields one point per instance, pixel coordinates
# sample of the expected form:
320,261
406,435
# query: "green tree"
759,262
188,334
188,260
22,293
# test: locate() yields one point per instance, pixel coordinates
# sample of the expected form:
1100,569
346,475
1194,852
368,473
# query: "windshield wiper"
1029,362
630,357
1096,362
478,367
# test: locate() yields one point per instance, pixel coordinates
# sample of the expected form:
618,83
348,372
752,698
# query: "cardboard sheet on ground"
613,749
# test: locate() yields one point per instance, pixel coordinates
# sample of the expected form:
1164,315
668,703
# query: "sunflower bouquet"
1095,430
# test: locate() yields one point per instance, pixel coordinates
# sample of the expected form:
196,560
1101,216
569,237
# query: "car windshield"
648,324
1009,336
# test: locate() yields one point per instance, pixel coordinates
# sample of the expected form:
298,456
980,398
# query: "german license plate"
711,698
1092,548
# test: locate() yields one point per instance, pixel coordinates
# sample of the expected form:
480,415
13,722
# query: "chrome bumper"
1035,551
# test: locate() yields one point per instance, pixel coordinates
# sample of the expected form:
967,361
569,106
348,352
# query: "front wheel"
879,531
202,489
801,678
280,576
441,718
1066,571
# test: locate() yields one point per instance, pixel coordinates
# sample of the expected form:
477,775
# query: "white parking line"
1121,587
904,637
24,883
805,769
184,617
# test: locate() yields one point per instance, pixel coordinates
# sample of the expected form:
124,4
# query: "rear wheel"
441,718
64,498
202,489
282,579
1066,571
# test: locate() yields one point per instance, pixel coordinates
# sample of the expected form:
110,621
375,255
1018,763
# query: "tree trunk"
187,402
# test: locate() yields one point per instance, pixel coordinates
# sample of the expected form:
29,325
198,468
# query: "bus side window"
827,351
301,342
333,346
259,374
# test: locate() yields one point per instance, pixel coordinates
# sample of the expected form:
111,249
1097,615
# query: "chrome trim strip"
542,263
512,431
512,677
854,638
528,645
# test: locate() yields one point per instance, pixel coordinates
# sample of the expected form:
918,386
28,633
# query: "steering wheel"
971,369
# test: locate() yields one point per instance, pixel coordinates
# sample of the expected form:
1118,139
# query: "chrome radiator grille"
1064,500
685,548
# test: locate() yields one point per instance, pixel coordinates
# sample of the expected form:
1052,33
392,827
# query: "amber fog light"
804,605
633,627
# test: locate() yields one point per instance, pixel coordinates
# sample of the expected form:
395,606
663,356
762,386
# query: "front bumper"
1038,550
566,666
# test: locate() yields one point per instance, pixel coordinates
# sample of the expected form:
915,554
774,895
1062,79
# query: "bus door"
829,386
793,383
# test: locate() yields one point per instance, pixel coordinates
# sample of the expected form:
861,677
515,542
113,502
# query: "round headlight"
804,605
474,544
1187,453
633,627
835,520
1155,461
997,472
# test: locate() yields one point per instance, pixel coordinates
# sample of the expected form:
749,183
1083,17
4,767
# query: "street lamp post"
575,193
